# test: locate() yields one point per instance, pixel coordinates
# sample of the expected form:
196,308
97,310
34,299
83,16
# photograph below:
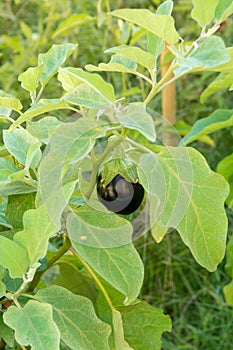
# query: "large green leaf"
38,228
219,119
13,257
210,53
119,266
136,54
223,81
53,59
190,198
70,143
135,117
144,325
225,168
203,11
117,63
18,144
160,25
85,88
43,106
76,319
34,325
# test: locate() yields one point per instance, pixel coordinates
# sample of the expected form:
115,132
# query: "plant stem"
62,250
111,145
156,88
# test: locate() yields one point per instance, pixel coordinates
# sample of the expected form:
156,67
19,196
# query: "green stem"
157,87
62,250
111,145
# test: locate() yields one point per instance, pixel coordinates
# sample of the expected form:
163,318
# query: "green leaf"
223,81
135,117
99,229
38,225
144,325
190,198
9,102
74,279
225,67
17,205
85,88
6,333
225,168
119,266
18,144
219,119
31,78
7,168
119,340
43,106
210,53
155,45
2,293
136,54
203,11
117,63
72,22
43,128
223,10
160,25
34,325
13,257
76,319
53,59
16,187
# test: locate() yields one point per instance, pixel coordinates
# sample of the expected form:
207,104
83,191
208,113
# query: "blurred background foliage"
173,280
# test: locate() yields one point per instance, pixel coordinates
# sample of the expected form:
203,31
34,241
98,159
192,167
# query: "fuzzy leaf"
190,198
136,117
13,257
144,325
119,266
85,88
136,54
31,77
53,59
160,25
43,106
203,11
76,319
34,325
219,119
18,144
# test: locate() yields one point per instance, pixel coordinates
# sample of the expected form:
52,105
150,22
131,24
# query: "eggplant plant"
77,191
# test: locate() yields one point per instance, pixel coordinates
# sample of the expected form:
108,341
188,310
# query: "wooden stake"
168,103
